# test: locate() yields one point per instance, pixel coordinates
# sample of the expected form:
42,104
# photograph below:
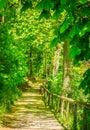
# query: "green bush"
54,83
13,67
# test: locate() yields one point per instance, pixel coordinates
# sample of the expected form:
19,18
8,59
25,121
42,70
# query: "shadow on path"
30,113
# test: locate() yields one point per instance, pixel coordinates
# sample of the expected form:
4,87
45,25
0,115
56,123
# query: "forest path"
30,113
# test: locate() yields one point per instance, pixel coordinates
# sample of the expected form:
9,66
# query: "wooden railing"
73,115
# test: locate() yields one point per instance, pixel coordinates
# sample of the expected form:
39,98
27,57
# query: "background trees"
22,45
31,38
74,28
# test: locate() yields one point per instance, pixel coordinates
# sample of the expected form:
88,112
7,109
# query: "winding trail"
30,113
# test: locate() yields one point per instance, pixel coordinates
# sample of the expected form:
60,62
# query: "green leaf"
71,18
83,1
44,14
64,26
2,3
45,5
73,52
85,11
54,42
74,31
85,84
26,6
57,14
85,29
40,5
29,1
49,5
63,1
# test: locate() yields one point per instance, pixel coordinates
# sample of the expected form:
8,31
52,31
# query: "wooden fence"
73,115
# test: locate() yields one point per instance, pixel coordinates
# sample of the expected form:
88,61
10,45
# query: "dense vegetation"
47,39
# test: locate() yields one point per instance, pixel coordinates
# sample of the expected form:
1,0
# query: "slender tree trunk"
45,64
66,70
31,72
56,60
19,8
3,17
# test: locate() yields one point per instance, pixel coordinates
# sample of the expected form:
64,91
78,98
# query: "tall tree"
56,61
75,28
66,69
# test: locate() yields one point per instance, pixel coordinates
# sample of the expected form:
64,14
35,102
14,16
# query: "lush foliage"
75,28
21,49
28,45
12,66
13,58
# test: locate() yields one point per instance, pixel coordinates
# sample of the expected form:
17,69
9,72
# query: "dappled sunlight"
30,113
44,64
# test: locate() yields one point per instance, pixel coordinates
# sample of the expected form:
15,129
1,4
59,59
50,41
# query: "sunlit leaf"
54,42
83,1
85,29
74,51
64,26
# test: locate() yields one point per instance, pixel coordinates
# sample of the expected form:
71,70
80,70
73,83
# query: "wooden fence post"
84,119
58,105
44,92
75,117
45,97
62,107
41,90
52,101
67,109
48,99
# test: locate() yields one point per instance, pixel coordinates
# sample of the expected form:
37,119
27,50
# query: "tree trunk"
66,69
3,17
56,60
31,72
45,64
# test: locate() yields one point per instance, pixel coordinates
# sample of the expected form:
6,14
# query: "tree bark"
31,72
45,64
3,17
66,70
56,60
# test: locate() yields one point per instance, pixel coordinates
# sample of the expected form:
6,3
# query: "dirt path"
30,113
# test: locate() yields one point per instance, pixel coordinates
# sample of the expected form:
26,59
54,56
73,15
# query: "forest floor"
30,113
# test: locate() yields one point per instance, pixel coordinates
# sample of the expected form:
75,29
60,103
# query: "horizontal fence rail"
73,115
